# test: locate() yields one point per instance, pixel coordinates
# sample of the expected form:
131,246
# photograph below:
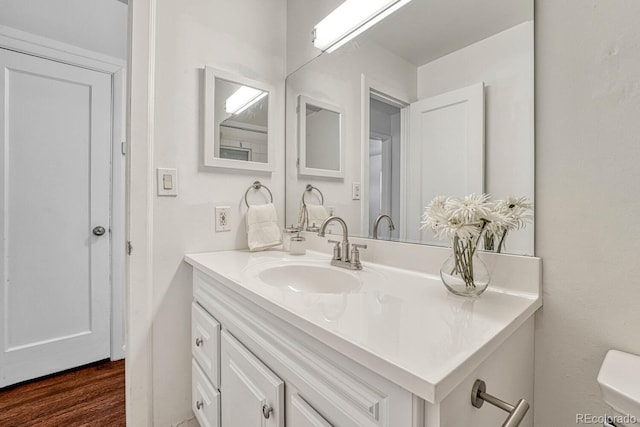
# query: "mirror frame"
303,170
212,130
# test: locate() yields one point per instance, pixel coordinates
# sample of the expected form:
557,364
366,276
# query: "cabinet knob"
199,342
266,411
199,405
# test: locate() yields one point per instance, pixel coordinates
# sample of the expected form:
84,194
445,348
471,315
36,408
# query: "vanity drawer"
205,343
205,398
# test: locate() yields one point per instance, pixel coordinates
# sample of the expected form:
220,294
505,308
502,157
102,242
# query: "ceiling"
424,30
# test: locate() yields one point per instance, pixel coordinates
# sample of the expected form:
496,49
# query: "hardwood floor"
89,396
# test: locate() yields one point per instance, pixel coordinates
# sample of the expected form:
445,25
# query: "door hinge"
129,247
123,148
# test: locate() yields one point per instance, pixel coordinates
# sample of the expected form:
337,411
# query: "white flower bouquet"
464,222
507,215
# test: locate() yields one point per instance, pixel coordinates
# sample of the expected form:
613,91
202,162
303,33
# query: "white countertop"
402,324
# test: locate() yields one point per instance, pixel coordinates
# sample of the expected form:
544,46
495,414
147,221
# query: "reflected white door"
446,152
55,131
381,185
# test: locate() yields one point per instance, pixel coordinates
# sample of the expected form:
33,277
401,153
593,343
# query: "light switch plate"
223,221
167,182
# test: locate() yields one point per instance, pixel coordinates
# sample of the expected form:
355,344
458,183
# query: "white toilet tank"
619,380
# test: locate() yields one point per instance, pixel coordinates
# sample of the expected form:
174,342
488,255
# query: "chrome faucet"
377,223
341,255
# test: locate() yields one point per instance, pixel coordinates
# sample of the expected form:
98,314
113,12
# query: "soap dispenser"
298,245
287,234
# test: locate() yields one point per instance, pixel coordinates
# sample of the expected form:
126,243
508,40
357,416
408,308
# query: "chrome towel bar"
516,413
257,185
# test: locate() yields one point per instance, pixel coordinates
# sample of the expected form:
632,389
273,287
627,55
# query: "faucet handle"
355,255
336,249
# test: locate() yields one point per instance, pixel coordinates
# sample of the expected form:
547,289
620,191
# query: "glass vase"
464,273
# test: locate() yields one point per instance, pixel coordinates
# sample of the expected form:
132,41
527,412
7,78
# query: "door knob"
99,230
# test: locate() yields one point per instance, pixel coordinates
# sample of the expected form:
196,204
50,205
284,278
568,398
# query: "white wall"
97,25
504,62
588,203
245,37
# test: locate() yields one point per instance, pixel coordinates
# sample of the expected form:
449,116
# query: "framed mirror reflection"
237,116
320,140
438,99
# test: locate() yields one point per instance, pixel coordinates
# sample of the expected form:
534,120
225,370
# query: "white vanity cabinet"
255,363
273,375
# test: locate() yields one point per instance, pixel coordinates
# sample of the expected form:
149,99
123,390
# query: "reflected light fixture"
243,98
350,19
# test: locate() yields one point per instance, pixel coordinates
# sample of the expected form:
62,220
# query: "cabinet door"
205,399
252,395
301,414
205,342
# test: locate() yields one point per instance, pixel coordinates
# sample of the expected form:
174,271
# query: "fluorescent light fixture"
350,19
243,98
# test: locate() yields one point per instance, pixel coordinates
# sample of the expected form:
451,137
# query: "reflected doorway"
386,135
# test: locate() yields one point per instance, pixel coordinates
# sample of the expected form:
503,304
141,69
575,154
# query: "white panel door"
55,131
252,395
446,152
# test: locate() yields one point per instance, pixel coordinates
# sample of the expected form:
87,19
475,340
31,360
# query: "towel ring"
257,185
310,188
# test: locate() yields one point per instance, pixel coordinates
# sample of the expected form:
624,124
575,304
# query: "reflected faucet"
341,255
377,223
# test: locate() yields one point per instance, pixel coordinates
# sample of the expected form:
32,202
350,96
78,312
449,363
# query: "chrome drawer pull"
199,405
516,413
199,342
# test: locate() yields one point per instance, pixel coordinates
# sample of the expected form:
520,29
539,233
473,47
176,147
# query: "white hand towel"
316,214
262,227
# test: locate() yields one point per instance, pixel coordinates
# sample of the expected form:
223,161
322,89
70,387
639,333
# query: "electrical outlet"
355,191
223,221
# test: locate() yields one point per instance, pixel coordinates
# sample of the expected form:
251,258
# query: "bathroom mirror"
321,148
237,116
437,98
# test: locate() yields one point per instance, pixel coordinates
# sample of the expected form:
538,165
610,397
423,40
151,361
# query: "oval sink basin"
310,278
